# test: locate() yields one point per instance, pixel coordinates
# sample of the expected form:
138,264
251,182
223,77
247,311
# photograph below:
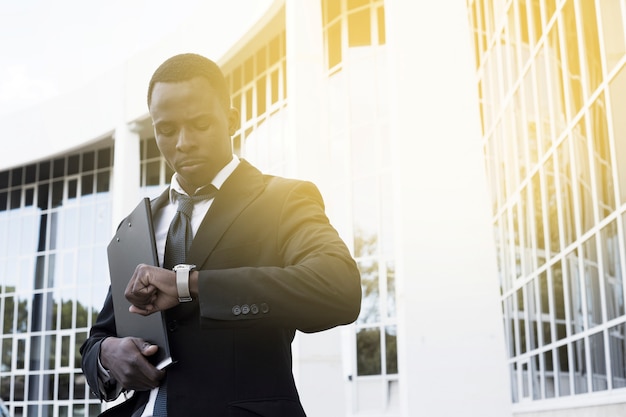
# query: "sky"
48,47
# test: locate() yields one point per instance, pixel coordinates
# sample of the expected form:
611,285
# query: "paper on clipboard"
133,244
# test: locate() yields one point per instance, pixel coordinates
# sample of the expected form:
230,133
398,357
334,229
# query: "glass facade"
358,124
258,90
55,223
551,77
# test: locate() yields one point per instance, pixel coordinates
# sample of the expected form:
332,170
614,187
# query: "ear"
233,120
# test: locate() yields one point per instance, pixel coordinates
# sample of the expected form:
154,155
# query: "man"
267,263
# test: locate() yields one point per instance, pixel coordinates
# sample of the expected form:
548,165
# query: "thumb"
148,349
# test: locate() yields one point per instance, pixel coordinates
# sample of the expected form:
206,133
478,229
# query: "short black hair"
184,67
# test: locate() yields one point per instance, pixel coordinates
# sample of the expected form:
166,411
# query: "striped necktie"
179,238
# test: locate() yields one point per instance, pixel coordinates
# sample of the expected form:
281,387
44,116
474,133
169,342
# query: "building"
551,77
376,102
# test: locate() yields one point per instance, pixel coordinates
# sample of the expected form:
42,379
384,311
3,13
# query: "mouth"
189,163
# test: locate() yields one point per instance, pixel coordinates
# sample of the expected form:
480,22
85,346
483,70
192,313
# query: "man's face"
192,130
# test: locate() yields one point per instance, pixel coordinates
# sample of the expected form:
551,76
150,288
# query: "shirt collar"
217,181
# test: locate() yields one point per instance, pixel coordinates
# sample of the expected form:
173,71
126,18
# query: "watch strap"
182,282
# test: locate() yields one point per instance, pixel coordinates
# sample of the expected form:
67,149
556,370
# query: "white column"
306,89
126,165
451,351
317,357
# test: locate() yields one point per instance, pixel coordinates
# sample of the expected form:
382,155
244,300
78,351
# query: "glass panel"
566,193
583,171
368,352
65,351
570,41
538,217
391,289
521,326
617,344
21,354
391,347
598,362
612,269
591,44
370,308
531,306
535,376
558,299
509,325
575,291
612,31
514,383
64,387
359,28
580,367
334,44
602,157
563,371
548,364
544,308
554,71
617,86
592,282
7,354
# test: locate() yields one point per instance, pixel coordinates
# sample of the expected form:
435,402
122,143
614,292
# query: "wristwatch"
182,281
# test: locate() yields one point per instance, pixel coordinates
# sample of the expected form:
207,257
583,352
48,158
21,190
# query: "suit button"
245,309
264,308
254,309
236,310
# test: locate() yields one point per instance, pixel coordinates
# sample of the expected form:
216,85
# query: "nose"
184,141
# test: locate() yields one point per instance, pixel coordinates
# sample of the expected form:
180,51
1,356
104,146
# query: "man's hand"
126,360
151,289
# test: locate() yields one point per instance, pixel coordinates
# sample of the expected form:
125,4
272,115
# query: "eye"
166,129
202,124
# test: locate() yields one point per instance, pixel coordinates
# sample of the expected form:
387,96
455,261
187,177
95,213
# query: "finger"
143,311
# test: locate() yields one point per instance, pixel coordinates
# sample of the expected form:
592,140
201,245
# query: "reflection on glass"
612,264
531,307
544,308
579,365
368,352
391,290
370,308
572,72
563,371
550,384
617,86
521,325
566,192
602,157
558,299
592,282
576,303
391,348
583,175
617,345
613,31
535,375
598,362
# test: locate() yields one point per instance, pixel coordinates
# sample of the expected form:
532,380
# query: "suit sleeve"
90,353
300,273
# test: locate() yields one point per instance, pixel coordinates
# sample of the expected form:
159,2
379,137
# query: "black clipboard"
134,244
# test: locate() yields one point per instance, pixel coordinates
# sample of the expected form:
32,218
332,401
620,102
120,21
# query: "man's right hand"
126,360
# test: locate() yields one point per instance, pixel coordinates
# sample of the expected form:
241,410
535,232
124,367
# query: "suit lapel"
237,192
158,203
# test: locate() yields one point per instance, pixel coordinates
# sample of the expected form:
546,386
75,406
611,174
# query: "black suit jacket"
269,264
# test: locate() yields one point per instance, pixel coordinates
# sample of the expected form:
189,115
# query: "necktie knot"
180,235
186,202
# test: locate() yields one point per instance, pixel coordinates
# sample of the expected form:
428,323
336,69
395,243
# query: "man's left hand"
151,289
